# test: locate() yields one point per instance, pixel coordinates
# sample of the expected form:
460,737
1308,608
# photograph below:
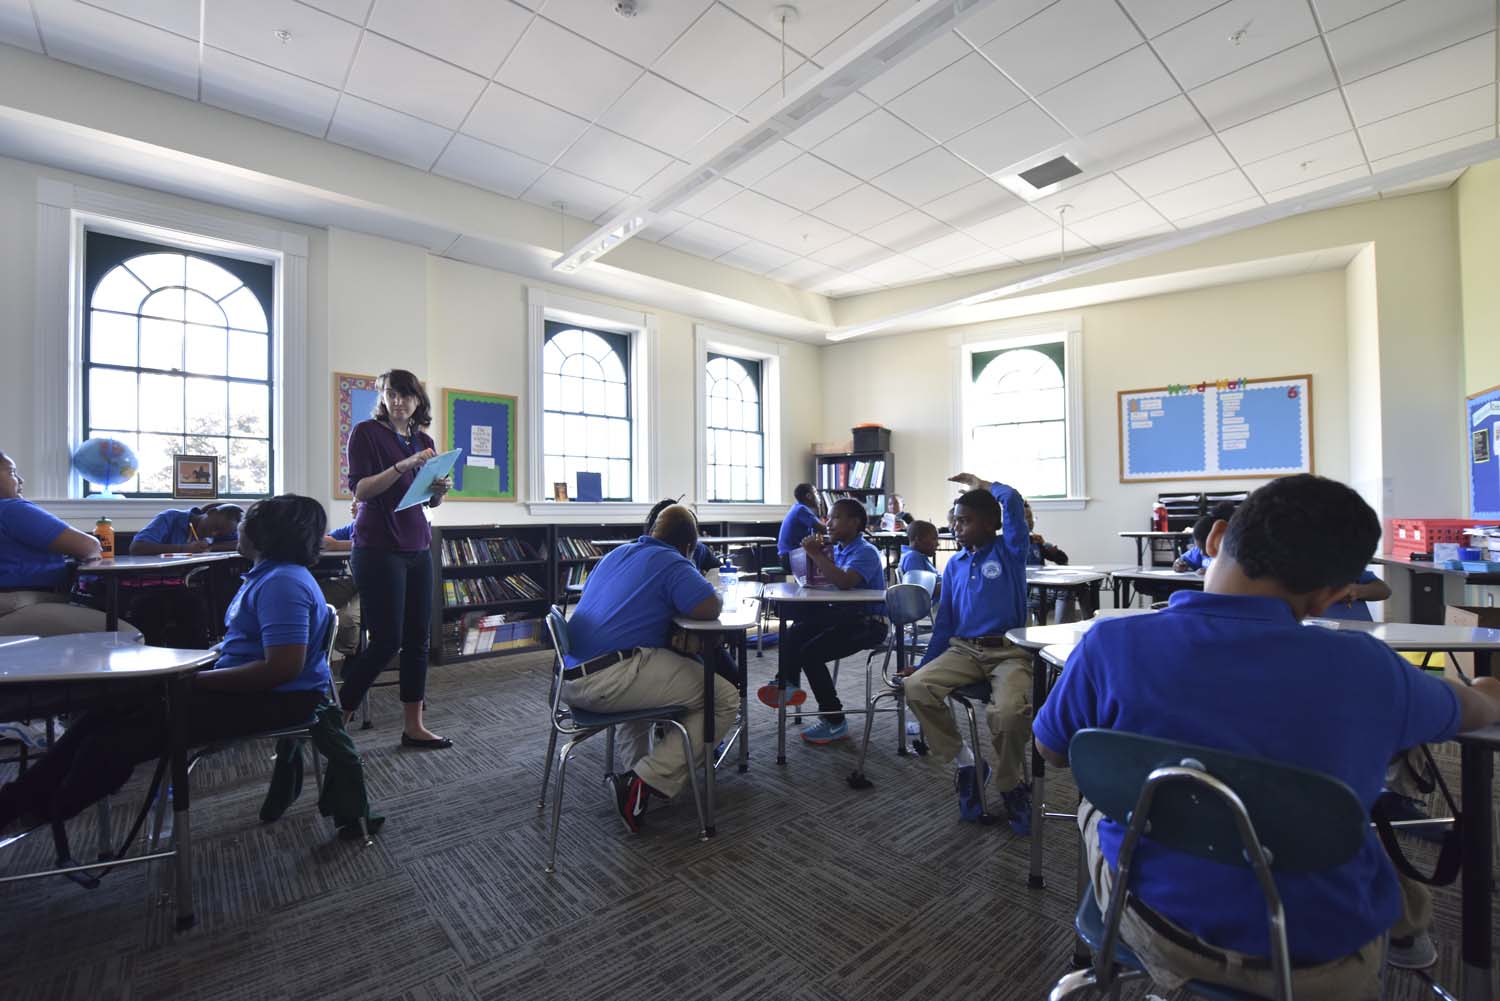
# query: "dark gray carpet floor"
811,890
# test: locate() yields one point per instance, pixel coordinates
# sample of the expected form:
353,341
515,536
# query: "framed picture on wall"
484,426
195,476
353,401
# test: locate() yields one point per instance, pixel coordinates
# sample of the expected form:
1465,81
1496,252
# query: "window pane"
248,355
551,433
249,409
198,445
619,438
551,358
119,290
168,303
619,479
598,432
206,349
575,435
737,481
575,366
207,406
757,483
752,416
593,396
614,400
554,474
716,414
156,453
159,270
244,311
111,398
249,466
112,338
614,369
209,278
572,394
551,392
161,403
202,309
161,344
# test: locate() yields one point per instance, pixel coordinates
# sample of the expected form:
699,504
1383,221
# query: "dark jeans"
98,752
395,602
818,637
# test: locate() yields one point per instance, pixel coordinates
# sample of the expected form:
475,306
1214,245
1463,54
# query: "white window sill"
126,514
606,511
1058,503
735,511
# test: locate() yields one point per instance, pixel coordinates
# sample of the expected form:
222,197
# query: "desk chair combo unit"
906,605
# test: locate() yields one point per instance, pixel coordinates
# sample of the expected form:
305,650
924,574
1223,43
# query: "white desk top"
887,536
1427,566
6,641
1063,576
791,594
741,611
1191,578
1038,637
1156,535
154,564
1487,736
736,540
94,657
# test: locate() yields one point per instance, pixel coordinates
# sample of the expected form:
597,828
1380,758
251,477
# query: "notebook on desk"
805,572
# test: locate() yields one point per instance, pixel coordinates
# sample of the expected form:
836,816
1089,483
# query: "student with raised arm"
983,596
213,527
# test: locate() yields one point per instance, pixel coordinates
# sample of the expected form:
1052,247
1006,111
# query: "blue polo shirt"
344,533
173,527
1245,676
913,559
984,590
631,598
704,558
1356,611
279,605
1196,558
800,522
25,533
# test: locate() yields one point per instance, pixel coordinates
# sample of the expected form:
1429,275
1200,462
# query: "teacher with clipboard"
390,561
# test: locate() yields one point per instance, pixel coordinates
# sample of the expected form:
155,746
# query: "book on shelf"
577,549
461,591
874,504
473,550
480,633
576,574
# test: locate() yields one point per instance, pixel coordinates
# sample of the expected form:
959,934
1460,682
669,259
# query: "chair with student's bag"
905,606
1237,810
578,725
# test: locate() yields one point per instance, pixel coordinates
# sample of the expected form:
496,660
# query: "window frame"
758,378
604,335
1068,332
770,354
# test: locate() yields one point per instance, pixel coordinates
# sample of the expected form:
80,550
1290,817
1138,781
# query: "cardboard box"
1470,617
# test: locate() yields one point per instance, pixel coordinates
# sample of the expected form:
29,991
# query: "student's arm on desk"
706,610
72,542
281,665
1375,590
1478,703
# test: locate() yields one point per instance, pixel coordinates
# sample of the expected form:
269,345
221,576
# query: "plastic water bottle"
729,574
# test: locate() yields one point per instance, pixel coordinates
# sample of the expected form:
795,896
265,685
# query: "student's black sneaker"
631,796
1018,805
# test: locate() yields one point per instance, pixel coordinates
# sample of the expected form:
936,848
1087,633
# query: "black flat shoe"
434,744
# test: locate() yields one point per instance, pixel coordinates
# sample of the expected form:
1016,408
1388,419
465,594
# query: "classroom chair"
1229,808
579,725
905,606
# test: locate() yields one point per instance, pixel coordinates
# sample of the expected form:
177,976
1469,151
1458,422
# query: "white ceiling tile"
771,158
907,230
1012,227
1292,75
1155,130
800,272
1223,211
1204,48
754,215
1319,183
641,38
412,82
943,51
724,58
1042,247
837,118
931,175
1463,141
805,235
987,261
860,208
1184,165
109,43
320,48
1114,90
1332,13
850,253
1298,125
711,196
489,167
1202,196
843,285
582,197
806,182
1434,123
1005,141
816,25
350,10
897,270
757,257
664,224
663,179
1062,41
180,17
594,77
17,26
1306,163
873,145
1454,70
1132,222
1089,199
780,90
956,99
661,114
611,159
973,204
704,239
383,132
1404,31
946,250
1156,16
506,118
996,19
249,88
474,34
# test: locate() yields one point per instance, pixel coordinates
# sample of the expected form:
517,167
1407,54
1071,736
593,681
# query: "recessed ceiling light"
282,35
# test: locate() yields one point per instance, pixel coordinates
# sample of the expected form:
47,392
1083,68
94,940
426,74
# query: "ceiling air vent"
1059,168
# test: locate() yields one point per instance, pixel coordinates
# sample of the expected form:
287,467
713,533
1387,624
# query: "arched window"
736,443
586,408
1017,417
177,360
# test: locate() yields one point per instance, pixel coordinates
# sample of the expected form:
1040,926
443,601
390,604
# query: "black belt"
599,663
989,642
1178,937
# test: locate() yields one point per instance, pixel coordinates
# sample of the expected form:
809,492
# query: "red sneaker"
631,797
777,695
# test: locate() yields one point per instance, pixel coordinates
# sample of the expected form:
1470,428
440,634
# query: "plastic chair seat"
979,691
591,720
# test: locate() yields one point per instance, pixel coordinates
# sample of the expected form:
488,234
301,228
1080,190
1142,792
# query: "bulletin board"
1218,430
484,426
1483,429
354,399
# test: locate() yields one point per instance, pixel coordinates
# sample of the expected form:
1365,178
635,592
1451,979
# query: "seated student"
702,557
1354,606
801,520
828,632
896,518
341,592
921,550
1195,558
34,550
214,527
271,673
1240,652
1039,551
620,660
983,596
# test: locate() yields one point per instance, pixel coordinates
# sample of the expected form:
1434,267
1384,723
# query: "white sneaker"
1415,953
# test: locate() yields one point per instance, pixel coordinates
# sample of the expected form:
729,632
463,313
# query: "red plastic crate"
1418,535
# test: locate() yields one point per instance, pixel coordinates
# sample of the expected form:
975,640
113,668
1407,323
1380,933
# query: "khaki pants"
343,595
1008,668
47,613
1401,775
1353,978
656,677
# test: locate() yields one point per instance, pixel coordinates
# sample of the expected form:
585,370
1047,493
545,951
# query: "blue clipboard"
435,469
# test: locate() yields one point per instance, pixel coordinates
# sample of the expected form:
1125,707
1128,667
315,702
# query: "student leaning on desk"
214,527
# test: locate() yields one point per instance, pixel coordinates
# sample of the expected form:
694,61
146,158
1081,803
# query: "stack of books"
472,551
487,590
577,549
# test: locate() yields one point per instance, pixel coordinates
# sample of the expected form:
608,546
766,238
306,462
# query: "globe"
106,462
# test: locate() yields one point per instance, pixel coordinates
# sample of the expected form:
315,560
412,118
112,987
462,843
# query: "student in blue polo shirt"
801,520
212,527
983,596
620,658
1354,606
702,557
1195,559
921,552
271,673
341,592
1247,676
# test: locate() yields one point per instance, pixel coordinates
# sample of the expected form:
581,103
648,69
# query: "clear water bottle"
729,574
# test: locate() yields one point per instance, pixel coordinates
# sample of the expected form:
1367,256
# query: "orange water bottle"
105,533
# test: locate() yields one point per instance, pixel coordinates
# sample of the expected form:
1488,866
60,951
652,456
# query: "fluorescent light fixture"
927,20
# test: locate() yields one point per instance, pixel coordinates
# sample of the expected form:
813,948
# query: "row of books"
469,551
478,633
874,504
577,549
480,590
861,474
576,574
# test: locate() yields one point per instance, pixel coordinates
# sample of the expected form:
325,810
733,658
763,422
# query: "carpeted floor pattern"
811,890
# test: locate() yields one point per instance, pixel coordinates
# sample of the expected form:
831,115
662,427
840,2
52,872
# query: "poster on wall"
1482,413
484,426
353,401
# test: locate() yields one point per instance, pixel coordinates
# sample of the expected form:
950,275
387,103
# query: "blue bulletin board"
484,426
1483,429
1225,429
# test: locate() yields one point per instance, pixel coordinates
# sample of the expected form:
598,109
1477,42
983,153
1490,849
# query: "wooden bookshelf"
482,570
868,477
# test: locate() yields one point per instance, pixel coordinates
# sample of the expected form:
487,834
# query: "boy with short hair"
1041,552
801,520
920,553
1195,558
1239,648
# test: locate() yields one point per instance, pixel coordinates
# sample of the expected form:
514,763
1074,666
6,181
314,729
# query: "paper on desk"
435,469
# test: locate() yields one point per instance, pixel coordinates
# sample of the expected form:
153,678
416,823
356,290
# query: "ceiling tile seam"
1424,55
774,38
36,23
338,17
1338,78
202,32
1029,17
110,11
1316,177
1367,14
359,44
972,48
1429,104
1201,13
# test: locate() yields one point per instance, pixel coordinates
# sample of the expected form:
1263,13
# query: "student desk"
750,542
889,543
1427,604
1082,583
1127,580
143,566
103,659
1179,542
740,613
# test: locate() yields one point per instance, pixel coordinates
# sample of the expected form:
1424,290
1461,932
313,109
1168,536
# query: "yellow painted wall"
1477,207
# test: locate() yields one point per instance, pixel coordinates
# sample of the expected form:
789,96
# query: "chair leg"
901,749
158,820
317,765
557,800
692,765
1087,980
836,673
609,751
781,733
364,713
106,838
541,800
984,810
